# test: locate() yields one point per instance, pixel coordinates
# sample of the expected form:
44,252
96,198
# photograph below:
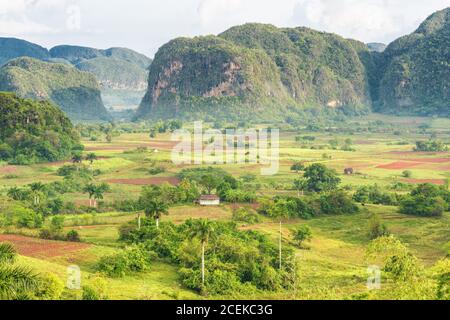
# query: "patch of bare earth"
8,169
398,165
39,248
419,181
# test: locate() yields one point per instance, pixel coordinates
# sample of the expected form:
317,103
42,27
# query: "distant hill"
262,72
257,71
122,73
11,48
376,46
76,92
415,71
34,131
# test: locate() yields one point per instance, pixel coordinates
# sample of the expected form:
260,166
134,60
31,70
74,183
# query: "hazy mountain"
11,48
122,73
75,92
376,46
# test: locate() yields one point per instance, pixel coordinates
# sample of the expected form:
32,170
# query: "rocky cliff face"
263,72
415,71
256,71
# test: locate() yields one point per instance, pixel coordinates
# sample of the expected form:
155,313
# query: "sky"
145,25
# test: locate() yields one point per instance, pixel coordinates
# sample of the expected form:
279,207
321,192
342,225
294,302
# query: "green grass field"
332,267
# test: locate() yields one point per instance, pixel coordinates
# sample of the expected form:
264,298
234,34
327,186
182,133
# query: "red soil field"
398,165
148,181
430,160
419,181
8,169
407,153
38,248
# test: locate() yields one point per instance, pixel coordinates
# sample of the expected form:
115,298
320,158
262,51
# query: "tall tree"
300,185
155,209
36,190
91,157
319,178
203,230
77,159
90,189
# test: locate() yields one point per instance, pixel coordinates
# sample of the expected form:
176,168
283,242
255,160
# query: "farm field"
331,266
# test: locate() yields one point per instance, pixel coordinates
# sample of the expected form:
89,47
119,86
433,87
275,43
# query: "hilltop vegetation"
75,92
263,72
415,75
121,73
34,131
13,48
256,71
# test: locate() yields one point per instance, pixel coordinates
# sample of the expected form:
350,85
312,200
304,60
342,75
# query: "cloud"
370,20
219,14
15,16
23,26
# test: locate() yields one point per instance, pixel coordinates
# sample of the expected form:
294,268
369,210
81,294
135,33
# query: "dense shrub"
337,202
48,135
426,200
131,259
373,194
236,261
247,216
73,236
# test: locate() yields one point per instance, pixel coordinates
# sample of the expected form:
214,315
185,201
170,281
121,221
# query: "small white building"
209,200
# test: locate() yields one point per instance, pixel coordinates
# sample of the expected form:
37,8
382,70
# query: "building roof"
209,197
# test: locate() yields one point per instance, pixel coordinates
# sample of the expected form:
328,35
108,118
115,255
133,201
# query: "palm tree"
15,193
98,194
90,189
155,209
36,189
91,157
300,185
203,230
77,158
14,281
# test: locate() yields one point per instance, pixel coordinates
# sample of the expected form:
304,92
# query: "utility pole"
280,244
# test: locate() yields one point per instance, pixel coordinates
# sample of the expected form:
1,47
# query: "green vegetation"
11,48
414,70
75,92
290,72
283,67
426,200
121,73
34,131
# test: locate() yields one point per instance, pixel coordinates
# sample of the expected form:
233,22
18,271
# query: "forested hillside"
415,75
75,92
263,72
34,131
257,71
